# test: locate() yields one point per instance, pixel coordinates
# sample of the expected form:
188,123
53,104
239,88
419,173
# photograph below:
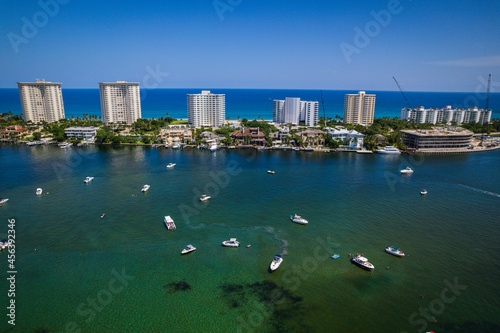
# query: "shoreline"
317,149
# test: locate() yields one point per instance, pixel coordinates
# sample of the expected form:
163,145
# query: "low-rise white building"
85,133
446,115
352,138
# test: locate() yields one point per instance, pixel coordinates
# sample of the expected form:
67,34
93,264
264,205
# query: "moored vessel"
169,223
188,249
395,251
362,262
298,219
232,242
389,150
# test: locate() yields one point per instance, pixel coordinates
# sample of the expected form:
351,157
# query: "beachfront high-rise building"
359,108
120,102
41,101
446,115
206,109
292,111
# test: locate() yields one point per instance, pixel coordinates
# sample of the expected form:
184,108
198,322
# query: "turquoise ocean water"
125,273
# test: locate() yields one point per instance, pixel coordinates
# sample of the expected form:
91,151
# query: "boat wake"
480,191
284,242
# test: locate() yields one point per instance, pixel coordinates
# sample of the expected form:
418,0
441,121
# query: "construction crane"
406,99
488,93
323,104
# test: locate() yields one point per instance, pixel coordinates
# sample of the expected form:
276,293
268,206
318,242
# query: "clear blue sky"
428,45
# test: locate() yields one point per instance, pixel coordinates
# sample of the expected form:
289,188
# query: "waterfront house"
351,138
15,130
176,133
311,136
85,133
251,135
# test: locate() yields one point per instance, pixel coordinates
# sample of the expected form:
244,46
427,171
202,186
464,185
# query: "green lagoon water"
68,259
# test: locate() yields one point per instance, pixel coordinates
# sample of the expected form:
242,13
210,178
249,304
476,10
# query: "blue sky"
447,45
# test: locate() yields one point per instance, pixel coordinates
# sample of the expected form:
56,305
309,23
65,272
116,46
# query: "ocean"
254,103
125,273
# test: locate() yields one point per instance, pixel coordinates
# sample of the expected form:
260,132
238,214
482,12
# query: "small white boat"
394,250
176,145
298,219
170,165
231,243
65,145
276,262
2,201
103,215
423,192
364,151
169,223
407,171
362,262
271,172
205,197
189,248
145,188
389,150
39,191
88,180
213,147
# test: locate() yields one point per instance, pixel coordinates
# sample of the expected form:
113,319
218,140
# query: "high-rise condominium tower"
120,102
206,109
41,101
359,108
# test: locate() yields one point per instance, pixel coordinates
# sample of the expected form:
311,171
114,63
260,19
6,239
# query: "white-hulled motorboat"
423,192
39,191
189,248
271,172
407,171
169,223
145,188
362,262
88,180
65,145
231,243
3,200
394,250
389,150
205,197
170,165
298,219
213,146
276,262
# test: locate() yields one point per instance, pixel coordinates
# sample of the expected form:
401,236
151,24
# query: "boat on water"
188,249
423,192
4,244
169,223
88,180
2,201
298,219
232,242
65,145
308,149
176,145
362,262
32,143
407,171
170,165
394,250
103,215
213,146
276,262
335,256
389,150
39,191
145,188
205,197
271,172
